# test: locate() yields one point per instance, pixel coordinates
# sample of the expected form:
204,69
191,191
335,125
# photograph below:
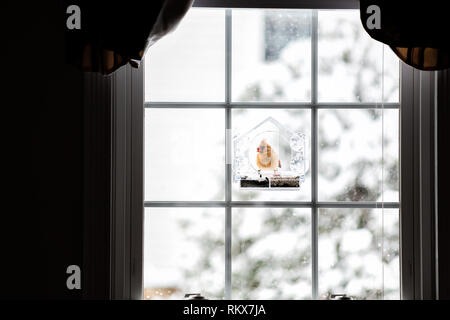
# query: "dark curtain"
416,31
113,34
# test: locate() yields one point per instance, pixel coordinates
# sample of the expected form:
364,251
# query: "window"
221,73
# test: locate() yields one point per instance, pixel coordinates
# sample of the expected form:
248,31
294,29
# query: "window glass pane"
189,63
184,252
351,242
271,55
244,120
350,61
271,253
351,155
184,154
391,151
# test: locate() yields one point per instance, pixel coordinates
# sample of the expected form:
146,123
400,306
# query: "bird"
266,157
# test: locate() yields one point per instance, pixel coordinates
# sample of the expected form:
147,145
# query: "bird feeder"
269,157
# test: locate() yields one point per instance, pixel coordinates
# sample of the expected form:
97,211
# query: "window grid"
314,204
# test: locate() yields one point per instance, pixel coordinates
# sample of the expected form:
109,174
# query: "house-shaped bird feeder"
269,157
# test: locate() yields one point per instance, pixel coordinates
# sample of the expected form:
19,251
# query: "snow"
357,240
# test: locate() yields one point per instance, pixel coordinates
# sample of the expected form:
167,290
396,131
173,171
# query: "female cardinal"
266,158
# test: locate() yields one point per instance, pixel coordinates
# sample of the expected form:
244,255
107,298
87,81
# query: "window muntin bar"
270,204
